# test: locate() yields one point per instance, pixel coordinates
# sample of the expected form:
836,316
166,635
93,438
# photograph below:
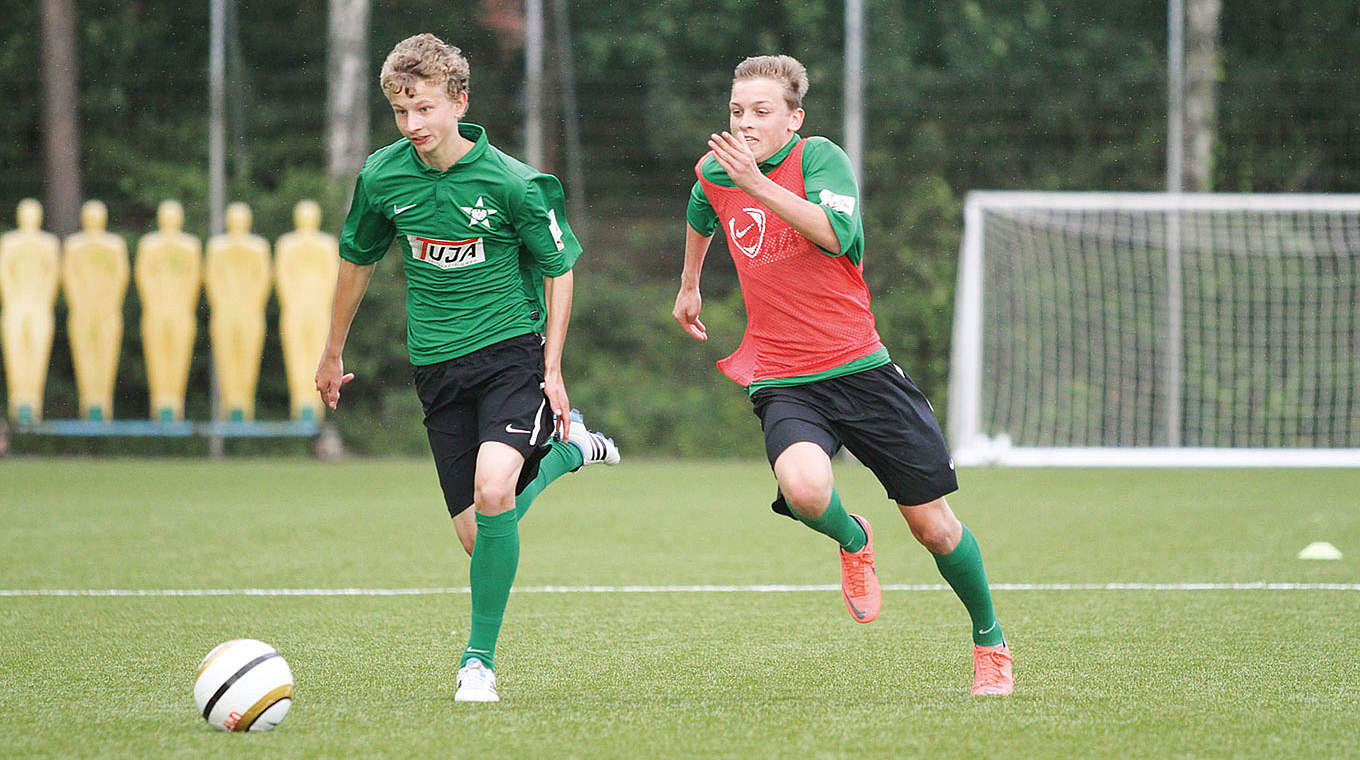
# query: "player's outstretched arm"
688,301
350,286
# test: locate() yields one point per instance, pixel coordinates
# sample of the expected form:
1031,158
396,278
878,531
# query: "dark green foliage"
960,95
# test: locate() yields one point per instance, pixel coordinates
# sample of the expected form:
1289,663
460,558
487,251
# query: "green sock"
838,524
495,557
561,459
963,569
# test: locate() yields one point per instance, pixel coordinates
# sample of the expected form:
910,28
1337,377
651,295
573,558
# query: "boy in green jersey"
487,254
816,371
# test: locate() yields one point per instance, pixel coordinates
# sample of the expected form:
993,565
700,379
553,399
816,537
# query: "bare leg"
934,525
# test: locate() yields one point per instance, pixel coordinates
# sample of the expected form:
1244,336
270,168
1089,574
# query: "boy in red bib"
817,373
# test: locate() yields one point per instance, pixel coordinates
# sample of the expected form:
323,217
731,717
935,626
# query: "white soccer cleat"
476,683
595,447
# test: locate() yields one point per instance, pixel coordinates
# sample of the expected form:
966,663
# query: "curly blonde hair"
424,57
784,69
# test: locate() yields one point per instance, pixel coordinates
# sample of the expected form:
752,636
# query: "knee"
935,538
808,496
493,498
934,526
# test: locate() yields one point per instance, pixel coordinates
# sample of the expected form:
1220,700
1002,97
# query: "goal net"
1157,329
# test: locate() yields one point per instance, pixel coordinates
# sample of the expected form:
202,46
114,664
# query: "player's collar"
473,132
477,134
778,158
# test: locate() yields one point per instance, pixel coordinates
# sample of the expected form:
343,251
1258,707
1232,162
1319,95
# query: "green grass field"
1162,669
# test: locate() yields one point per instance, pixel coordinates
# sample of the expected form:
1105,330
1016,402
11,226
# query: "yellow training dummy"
306,264
30,273
95,279
169,275
236,278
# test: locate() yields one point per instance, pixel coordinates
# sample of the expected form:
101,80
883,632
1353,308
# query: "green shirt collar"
473,132
778,158
477,134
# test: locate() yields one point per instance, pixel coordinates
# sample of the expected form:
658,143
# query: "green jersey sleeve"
829,182
700,214
367,233
541,222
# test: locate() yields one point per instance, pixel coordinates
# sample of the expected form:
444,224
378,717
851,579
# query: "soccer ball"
243,685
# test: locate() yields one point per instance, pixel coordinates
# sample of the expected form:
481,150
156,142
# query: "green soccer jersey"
828,181
476,241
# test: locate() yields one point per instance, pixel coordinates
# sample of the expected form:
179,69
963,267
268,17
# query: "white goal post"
1155,329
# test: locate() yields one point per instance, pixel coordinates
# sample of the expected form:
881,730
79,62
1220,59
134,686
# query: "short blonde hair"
426,57
784,69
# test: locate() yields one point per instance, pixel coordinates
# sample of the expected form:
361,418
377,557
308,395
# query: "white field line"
679,589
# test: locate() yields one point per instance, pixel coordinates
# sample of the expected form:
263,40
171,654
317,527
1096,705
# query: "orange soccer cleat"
992,670
859,580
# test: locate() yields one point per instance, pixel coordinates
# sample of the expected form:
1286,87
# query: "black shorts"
492,394
879,415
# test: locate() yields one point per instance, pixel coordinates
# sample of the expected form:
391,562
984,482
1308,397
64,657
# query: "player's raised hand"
736,158
686,312
330,377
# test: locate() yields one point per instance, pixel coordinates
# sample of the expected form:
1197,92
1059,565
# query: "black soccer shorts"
879,415
492,394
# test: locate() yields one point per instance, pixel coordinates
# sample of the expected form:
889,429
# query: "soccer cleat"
992,670
859,580
595,447
476,683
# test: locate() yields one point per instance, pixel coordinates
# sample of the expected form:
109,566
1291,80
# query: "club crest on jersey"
447,254
478,213
749,233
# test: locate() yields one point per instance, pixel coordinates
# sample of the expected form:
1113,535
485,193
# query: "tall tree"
61,115
347,91
1201,91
